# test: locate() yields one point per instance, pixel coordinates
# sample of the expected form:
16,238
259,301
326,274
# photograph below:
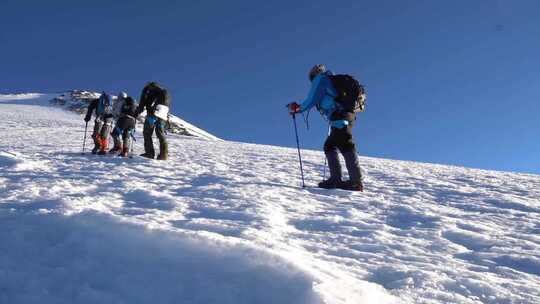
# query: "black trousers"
342,140
124,127
148,130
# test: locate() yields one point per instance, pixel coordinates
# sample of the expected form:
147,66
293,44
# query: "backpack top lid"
107,99
351,95
161,95
104,97
152,85
152,88
104,104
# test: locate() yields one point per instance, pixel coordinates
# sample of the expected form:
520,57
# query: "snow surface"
225,222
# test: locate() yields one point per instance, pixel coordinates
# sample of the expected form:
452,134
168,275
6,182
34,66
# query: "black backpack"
162,95
351,94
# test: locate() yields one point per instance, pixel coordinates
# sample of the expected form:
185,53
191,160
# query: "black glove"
87,118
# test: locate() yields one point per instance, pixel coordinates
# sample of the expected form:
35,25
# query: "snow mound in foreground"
18,162
91,258
8,159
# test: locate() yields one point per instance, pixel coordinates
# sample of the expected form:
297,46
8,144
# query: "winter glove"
87,118
293,108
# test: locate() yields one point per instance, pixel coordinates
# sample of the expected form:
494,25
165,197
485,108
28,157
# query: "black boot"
117,144
355,174
151,156
125,152
163,145
352,186
335,170
148,130
163,152
330,183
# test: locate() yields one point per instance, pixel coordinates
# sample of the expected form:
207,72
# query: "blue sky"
452,82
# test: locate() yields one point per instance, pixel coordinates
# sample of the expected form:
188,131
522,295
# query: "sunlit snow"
226,222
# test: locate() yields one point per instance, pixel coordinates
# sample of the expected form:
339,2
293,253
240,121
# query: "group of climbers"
122,112
337,97
156,100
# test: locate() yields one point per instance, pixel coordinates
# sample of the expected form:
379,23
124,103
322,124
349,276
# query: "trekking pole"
84,141
298,146
131,143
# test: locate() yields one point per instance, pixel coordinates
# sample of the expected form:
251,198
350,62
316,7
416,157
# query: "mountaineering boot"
335,170
149,151
330,183
125,151
117,145
116,149
352,186
163,145
151,156
355,174
103,147
97,144
163,151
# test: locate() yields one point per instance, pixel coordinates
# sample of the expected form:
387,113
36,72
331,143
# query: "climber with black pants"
156,101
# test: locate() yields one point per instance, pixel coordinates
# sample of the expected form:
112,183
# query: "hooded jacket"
321,95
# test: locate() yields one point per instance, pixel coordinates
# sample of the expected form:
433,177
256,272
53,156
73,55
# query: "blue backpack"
105,105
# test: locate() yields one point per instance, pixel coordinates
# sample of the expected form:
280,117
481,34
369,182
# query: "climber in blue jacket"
322,96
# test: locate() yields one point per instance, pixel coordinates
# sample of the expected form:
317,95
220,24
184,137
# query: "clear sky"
452,82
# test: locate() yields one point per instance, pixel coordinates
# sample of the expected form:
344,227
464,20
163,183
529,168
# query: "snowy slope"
225,222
